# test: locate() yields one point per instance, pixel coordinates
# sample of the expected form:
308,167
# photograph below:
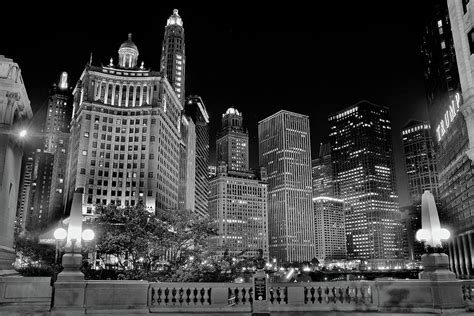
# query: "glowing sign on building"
448,117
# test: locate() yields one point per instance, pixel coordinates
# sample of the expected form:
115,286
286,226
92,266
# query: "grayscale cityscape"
270,162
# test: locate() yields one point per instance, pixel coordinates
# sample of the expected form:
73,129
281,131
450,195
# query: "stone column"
134,95
141,95
471,250
467,255
95,89
113,94
100,90
148,94
119,102
106,92
462,266
127,94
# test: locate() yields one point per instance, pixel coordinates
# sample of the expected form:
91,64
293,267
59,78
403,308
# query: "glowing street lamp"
23,133
435,264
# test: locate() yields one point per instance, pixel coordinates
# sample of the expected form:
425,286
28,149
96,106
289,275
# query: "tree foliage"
150,244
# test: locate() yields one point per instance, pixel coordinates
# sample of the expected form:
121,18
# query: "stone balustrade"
20,295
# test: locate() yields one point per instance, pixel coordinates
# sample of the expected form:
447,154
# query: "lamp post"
72,239
436,265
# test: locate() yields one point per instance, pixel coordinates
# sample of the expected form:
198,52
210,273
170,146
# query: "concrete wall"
19,295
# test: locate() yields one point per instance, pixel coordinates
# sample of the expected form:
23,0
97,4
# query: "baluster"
251,295
173,295
166,295
305,295
152,296
272,299
209,296
243,296
203,292
326,297
341,294
285,293
188,295
312,291
362,295
159,292
195,299
320,297
236,294
278,295
180,292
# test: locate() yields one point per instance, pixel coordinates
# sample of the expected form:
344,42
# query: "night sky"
313,61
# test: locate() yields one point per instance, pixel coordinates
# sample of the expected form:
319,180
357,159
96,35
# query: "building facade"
173,56
232,146
238,203
321,171
361,151
187,165
455,136
25,186
125,135
285,152
15,110
196,110
329,224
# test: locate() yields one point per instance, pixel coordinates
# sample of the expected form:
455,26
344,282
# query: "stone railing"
200,297
141,297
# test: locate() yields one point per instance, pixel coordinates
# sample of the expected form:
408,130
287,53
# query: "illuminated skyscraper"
187,164
196,110
173,56
330,229
232,146
238,204
125,137
420,158
361,151
285,152
322,173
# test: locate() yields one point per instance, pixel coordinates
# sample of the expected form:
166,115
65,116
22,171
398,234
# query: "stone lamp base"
436,267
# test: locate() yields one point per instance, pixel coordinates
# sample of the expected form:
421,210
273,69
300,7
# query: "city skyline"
224,51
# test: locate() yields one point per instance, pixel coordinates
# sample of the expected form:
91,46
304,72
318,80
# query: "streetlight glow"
23,133
60,234
88,234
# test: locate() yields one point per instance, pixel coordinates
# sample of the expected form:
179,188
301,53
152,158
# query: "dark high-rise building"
420,158
441,75
125,137
196,110
361,151
285,152
232,146
56,136
322,173
173,56
38,214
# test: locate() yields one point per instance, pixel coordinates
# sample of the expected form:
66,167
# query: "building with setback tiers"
125,137
196,110
321,170
238,198
285,152
361,151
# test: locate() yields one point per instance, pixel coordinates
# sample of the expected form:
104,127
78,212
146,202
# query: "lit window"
440,23
443,45
86,134
84,152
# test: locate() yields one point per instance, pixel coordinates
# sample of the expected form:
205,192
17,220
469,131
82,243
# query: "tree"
142,241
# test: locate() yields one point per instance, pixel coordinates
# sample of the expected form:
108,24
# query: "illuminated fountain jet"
431,232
